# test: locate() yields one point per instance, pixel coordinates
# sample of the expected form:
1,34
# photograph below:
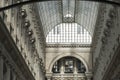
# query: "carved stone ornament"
23,13
32,40
118,39
30,32
107,32
112,13
41,64
40,60
109,23
43,68
37,60
27,23
104,40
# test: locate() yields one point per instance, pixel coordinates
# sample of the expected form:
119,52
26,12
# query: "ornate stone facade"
20,35
109,44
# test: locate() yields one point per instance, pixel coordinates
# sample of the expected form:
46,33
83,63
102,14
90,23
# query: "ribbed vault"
56,12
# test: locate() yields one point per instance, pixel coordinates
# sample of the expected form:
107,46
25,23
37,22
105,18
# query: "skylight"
68,33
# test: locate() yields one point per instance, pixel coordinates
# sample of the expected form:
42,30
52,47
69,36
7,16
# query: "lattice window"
67,33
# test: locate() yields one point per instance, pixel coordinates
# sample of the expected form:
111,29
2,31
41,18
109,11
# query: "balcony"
68,76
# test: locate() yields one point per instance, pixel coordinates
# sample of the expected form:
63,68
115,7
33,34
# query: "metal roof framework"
53,13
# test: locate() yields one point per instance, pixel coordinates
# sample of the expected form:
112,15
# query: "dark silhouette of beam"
34,1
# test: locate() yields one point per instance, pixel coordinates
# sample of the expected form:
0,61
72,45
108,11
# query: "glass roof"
68,33
50,14
53,13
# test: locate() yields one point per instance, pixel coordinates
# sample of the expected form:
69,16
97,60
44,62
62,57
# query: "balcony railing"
68,75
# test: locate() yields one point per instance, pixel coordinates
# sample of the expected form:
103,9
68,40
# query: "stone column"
14,76
7,75
88,75
49,76
89,78
62,67
1,68
75,67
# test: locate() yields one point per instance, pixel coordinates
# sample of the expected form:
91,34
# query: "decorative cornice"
98,27
67,45
37,23
106,53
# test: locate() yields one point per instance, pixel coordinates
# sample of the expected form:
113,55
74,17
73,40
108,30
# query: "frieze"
104,40
26,23
106,35
112,13
98,27
37,27
30,32
107,32
114,49
67,45
109,23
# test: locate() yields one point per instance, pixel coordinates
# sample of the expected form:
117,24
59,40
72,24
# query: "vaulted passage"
60,40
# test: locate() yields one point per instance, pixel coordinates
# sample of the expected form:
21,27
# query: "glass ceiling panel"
68,33
68,10
68,7
50,14
86,14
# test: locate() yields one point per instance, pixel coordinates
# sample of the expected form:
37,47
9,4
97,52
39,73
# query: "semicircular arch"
71,55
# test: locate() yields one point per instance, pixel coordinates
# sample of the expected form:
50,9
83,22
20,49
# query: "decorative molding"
98,27
12,53
67,45
107,52
23,13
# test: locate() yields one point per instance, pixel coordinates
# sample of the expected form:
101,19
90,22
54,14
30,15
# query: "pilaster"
62,67
7,75
1,67
75,67
49,76
88,75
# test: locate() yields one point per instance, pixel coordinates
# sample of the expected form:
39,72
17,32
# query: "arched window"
69,64
68,33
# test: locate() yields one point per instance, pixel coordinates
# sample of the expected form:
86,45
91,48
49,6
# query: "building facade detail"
109,35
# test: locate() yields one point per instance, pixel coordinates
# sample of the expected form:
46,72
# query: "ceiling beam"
33,1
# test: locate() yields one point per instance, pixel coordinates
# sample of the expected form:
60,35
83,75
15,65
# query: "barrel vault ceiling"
53,13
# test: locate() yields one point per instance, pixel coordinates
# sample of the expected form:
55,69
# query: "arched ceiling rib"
53,13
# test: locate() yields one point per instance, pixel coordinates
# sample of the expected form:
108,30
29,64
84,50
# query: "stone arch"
65,55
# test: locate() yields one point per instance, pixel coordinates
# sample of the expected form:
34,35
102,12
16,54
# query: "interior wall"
108,42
